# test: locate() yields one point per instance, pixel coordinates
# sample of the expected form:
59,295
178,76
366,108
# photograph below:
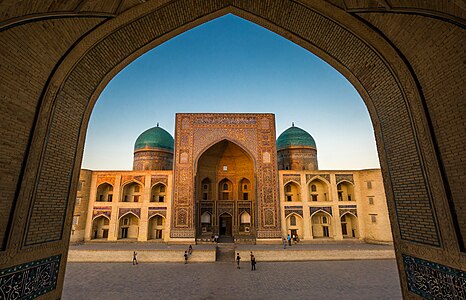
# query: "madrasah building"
227,175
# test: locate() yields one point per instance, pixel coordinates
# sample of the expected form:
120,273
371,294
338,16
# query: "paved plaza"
357,279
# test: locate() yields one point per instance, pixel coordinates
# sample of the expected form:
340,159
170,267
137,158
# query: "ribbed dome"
295,136
155,137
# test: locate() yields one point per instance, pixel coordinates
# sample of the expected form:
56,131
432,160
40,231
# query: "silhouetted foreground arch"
406,60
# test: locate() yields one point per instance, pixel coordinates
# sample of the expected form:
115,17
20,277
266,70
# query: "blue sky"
231,65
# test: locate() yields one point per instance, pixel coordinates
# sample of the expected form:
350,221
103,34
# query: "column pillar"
114,221
306,215
337,234
90,208
145,201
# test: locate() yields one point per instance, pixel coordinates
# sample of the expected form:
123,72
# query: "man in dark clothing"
253,263
238,259
135,258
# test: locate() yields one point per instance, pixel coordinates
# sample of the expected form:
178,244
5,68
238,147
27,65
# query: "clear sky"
231,65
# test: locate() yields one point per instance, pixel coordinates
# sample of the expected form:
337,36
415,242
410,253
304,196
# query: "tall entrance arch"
405,59
225,189
219,160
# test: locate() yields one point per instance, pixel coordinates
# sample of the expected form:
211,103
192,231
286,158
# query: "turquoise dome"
295,136
155,137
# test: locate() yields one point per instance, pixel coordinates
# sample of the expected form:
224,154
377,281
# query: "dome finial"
292,124
157,124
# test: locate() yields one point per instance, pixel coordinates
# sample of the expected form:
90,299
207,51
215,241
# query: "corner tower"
296,150
153,150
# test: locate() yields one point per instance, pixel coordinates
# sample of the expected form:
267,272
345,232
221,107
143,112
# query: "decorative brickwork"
309,177
434,281
29,280
291,177
195,133
158,178
107,179
344,177
157,211
124,211
348,208
293,209
126,178
102,210
314,209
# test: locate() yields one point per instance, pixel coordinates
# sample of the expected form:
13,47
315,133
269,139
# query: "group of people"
253,261
188,253
289,238
214,238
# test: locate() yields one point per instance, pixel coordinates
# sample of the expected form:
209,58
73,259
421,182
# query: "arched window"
225,186
205,218
313,188
293,221
324,220
288,188
245,218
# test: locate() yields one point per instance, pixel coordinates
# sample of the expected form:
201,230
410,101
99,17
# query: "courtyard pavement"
357,279
340,245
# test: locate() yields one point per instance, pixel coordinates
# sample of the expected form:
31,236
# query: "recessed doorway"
225,222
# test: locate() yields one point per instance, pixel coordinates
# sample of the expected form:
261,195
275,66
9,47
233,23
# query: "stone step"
225,253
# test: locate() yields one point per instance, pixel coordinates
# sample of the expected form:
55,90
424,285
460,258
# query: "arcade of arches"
406,59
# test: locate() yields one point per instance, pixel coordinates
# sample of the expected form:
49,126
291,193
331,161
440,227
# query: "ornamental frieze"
126,178
291,177
344,177
159,178
293,209
124,211
348,208
108,179
157,211
314,209
311,176
224,119
98,211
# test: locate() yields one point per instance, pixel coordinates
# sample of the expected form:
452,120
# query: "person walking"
252,255
135,258
186,257
253,263
190,250
289,239
284,243
238,260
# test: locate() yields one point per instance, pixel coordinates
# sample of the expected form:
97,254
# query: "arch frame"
228,139
322,211
317,177
127,213
98,216
444,251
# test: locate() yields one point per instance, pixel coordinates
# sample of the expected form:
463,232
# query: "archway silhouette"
413,111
